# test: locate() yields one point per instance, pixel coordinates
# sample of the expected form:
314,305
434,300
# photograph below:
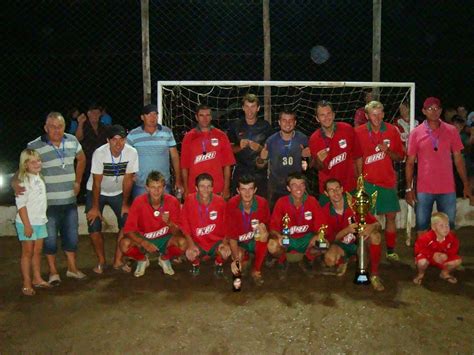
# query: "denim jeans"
62,221
444,203
115,203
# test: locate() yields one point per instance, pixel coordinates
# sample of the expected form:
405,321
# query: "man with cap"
113,167
155,145
432,144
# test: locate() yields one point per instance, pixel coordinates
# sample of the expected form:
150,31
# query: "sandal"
27,291
99,269
417,280
123,267
42,284
451,279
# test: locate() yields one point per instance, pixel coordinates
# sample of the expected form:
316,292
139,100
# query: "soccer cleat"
392,256
195,270
376,283
218,270
141,267
341,269
283,270
166,266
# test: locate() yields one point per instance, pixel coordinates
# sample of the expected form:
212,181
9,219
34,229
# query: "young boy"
438,247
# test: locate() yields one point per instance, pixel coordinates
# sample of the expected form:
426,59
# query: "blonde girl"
31,220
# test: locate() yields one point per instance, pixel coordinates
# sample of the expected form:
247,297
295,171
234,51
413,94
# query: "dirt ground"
118,313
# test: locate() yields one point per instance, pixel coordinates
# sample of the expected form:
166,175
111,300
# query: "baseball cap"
116,130
149,109
430,101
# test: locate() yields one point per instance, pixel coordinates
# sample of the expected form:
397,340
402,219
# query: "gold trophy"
321,241
361,203
285,231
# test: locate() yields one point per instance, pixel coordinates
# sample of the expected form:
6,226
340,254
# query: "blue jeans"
444,203
62,220
115,203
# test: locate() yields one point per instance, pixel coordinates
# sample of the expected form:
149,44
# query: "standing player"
342,224
303,211
206,149
247,217
381,146
247,136
435,145
334,150
110,183
203,226
283,151
155,145
152,226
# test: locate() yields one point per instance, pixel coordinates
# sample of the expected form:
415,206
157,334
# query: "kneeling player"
438,247
203,226
342,226
302,210
152,226
247,217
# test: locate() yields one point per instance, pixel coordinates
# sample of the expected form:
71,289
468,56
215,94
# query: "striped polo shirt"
58,167
153,151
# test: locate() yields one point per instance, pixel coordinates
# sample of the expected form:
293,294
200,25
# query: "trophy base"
362,277
322,246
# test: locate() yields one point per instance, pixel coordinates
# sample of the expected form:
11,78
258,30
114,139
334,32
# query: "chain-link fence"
60,54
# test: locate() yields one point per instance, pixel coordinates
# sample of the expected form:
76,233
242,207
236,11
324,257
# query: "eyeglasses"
433,108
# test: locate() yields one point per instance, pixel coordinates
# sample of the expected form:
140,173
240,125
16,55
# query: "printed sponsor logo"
343,143
337,159
214,142
374,158
212,215
205,230
254,223
204,157
349,238
156,234
308,215
245,237
299,229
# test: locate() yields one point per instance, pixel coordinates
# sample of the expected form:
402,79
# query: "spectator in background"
72,116
448,114
155,145
359,117
247,137
434,144
460,125
92,134
105,118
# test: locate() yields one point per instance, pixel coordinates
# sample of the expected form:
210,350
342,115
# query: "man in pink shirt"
433,143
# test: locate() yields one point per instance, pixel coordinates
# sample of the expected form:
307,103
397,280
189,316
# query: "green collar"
199,199
305,197
211,127
334,127
383,127
253,207
333,212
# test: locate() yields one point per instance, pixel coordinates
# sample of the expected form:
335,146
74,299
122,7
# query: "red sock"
219,260
171,252
282,258
308,255
260,253
390,238
375,250
135,253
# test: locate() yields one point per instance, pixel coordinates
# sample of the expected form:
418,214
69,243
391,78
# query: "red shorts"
434,263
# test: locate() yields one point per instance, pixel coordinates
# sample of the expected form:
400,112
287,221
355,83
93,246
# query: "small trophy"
361,204
285,232
321,241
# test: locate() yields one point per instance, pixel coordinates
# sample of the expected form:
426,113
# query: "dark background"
56,54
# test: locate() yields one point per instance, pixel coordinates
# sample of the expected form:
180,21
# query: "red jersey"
343,149
359,117
239,224
377,165
337,222
206,152
427,245
145,220
205,224
302,219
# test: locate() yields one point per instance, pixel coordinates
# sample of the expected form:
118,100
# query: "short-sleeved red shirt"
143,219
427,244
377,165
239,223
302,219
343,149
206,152
205,224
